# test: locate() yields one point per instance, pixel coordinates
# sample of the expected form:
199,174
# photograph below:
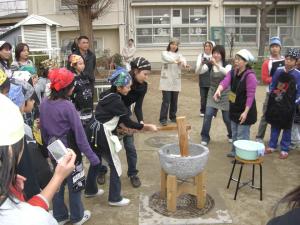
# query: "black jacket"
90,64
136,95
110,105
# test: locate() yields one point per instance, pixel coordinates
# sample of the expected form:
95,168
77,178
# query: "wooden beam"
163,184
171,193
183,136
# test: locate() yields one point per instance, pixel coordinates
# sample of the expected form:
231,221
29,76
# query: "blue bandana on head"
120,77
16,95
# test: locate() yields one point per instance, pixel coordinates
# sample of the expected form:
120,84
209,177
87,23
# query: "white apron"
113,142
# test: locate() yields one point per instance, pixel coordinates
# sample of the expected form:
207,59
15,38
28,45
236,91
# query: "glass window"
154,25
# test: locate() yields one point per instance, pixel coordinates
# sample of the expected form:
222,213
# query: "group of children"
60,106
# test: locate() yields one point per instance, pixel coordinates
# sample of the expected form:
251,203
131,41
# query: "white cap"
246,55
5,42
12,123
211,42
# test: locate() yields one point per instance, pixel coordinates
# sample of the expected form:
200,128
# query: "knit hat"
73,59
5,43
60,78
12,123
29,68
3,77
140,63
120,77
245,54
275,41
16,95
48,64
213,44
293,53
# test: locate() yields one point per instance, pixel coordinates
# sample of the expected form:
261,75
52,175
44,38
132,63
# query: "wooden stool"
258,161
171,188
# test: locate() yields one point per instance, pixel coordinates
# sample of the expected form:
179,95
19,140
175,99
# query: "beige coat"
170,79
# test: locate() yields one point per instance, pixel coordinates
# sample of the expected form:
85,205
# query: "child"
82,96
60,120
281,105
111,112
170,81
268,69
203,67
242,107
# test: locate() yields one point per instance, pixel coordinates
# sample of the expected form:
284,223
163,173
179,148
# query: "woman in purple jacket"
242,108
60,120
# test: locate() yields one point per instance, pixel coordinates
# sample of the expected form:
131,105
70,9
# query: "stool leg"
260,167
163,184
230,178
253,173
171,193
238,183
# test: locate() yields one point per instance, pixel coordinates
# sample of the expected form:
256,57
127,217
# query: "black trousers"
169,104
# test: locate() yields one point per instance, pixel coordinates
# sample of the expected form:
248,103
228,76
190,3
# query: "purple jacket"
57,118
251,84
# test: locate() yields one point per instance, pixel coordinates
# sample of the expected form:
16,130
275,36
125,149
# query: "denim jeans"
239,132
60,210
209,113
114,182
91,186
169,101
131,155
285,139
203,98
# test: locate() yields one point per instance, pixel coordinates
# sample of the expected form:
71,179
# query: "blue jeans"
131,155
285,139
239,132
60,210
209,113
114,182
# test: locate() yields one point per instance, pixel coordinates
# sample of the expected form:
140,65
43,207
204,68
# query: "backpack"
281,104
82,95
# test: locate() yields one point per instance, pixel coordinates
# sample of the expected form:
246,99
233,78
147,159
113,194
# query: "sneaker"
163,123
204,143
173,120
269,150
135,181
86,217
231,154
283,155
260,140
63,222
292,147
202,114
230,140
101,179
123,202
100,192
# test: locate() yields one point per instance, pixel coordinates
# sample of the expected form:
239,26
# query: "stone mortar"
183,167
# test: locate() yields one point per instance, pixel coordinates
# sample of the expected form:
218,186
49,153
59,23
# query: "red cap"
60,78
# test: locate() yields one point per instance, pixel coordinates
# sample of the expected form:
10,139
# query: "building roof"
30,20
34,20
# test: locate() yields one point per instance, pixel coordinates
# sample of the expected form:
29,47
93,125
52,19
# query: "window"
242,22
280,16
158,25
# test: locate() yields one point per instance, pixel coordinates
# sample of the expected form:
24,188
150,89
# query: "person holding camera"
203,67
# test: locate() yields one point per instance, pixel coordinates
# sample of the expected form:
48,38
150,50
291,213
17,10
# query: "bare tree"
231,43
264,10
87,11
